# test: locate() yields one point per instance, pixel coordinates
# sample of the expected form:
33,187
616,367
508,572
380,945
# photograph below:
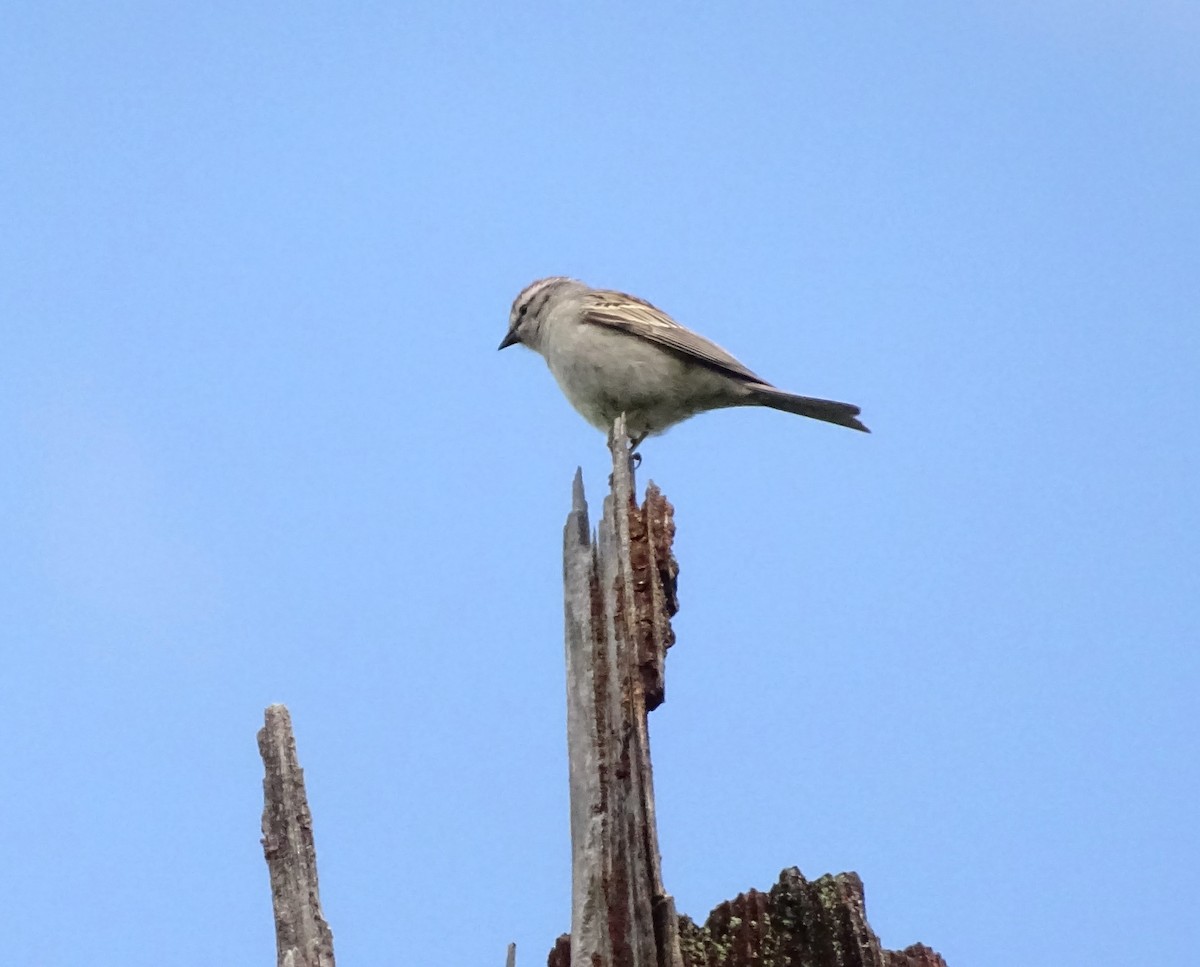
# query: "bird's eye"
524,309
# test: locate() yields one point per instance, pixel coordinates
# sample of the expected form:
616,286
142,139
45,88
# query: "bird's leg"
635,458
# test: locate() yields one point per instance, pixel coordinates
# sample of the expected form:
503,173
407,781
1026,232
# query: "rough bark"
302,937
795,924
817,924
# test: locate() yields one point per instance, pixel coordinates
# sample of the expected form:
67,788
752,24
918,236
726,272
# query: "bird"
613,353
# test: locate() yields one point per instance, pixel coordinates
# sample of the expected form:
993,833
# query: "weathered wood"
619,598
302,937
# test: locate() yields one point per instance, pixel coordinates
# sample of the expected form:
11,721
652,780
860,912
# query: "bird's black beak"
511,339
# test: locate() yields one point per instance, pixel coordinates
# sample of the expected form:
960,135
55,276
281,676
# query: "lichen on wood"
797,923
821,923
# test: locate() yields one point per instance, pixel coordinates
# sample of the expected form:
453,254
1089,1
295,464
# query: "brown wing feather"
616,310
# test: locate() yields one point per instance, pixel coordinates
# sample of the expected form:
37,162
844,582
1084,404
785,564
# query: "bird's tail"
831,411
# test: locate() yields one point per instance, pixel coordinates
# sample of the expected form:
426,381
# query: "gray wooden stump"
302,937
619,598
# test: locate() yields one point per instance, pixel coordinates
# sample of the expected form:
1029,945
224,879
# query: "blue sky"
259,448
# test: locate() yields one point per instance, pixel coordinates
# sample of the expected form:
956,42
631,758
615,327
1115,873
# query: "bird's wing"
627,313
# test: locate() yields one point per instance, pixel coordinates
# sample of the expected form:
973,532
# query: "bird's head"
529,310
